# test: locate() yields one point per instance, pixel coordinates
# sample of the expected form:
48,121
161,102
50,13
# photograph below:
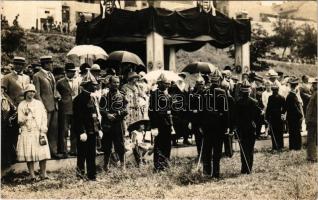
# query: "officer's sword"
200,156
239,141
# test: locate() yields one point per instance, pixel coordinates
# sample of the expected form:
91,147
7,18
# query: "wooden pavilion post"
242,51
172,59
155,51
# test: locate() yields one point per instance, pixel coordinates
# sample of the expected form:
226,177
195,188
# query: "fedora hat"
293,80
70,67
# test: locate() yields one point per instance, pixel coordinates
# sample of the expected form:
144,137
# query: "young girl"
140,147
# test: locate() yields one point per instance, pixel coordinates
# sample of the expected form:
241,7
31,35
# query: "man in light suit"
15,84
46,92
16,81
68,87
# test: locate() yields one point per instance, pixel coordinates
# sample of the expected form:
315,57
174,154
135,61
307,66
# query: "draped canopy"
188,29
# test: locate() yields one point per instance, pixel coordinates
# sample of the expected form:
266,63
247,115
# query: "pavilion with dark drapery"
155,34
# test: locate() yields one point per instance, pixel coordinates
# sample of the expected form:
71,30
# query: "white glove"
83,137
100,134
190,125
283,117
154,132
173,132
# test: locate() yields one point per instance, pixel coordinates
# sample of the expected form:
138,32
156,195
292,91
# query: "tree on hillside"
12,39
307,42
285,34
260,45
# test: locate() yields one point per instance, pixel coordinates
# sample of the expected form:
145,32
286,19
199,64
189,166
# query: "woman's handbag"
42,140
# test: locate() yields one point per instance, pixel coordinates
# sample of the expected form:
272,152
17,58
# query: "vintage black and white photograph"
159,99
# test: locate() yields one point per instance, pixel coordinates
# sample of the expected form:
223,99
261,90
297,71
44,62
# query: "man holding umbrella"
160,118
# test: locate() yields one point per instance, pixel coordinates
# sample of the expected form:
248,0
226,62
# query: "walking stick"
239,141
271,130
200,156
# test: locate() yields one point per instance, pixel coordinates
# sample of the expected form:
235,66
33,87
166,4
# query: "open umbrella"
135,125
125,57
200,67
88,51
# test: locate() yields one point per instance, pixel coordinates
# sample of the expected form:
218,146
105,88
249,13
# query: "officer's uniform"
247,116
113,103
194,113
294,117
275,109
215,123
86,117
160,117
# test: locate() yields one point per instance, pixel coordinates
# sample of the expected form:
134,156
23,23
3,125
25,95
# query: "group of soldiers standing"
216,108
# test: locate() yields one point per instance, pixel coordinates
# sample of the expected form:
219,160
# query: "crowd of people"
98,111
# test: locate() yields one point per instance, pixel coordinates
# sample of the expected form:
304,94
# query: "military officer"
248,114
215,123
294,115
160,118
87,127
113,107
274,115
195,108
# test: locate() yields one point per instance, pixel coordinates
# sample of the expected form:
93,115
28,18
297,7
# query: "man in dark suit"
16,81
46,92
87,127
113,108
274,115
215,125
248,114
68,87
294,115
161,118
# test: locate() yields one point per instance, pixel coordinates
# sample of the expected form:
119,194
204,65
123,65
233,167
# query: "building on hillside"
32,13
38,14
301,10
255,9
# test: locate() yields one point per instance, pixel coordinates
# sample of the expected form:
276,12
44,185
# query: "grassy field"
276,176
295,69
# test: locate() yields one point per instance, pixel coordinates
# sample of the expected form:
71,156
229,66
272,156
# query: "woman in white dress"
32,142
